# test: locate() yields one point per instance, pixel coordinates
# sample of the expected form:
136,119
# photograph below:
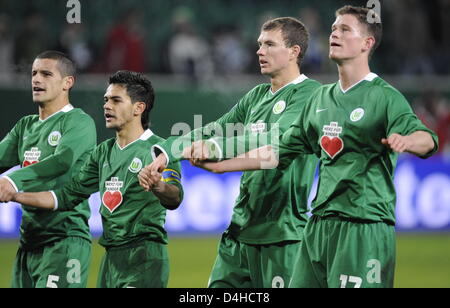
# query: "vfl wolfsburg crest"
136,165
279,107
54,138
357,115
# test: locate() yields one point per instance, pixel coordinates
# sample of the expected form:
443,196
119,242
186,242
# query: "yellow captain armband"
169,175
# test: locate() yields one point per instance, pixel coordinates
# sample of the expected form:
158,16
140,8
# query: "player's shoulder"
386,91
153,138
80,113
309,83
28,119
259,89
79,117
320,90
104,146
306,86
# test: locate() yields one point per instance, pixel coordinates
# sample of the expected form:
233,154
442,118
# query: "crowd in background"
415,42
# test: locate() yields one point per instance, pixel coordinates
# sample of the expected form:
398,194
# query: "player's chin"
110,125
333,56
38,99
266,72
336,57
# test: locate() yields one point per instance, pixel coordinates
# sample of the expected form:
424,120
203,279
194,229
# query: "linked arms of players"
261,158
418,143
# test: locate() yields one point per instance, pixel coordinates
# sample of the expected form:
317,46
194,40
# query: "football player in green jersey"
133,219
260,246
356,127
55,249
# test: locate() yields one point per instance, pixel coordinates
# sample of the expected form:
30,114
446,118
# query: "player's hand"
149,179
187,153
199,152
150,182
7,191
397,143
150,175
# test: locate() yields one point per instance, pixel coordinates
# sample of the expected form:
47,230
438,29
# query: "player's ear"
368,44
68,82
139,108
295,52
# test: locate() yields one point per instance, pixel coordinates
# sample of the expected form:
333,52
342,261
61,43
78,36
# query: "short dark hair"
65,64
294,33
139,88
374,29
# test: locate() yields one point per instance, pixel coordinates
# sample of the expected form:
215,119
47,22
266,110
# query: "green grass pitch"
423,260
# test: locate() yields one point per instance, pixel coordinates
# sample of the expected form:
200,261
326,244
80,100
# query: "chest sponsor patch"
112,198
258,128
330,142
31,157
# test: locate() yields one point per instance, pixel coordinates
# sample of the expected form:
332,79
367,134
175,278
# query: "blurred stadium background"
200,55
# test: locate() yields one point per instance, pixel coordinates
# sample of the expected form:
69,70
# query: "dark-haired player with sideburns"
55,248
133,219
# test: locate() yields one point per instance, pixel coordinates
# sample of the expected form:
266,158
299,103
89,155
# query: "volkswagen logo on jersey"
54,138
279,107
112,197
136,165
357,115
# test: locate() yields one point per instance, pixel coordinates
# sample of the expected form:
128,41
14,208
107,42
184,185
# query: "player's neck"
280,80
129,133
49,108
351,72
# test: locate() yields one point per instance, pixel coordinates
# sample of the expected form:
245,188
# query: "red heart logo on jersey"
332,146
112,199
27,163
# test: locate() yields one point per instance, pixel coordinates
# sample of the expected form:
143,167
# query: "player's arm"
79,137
82,185
256,159
165,185
8,149
42,200
168,194
418,143
174,148
405,132
9,158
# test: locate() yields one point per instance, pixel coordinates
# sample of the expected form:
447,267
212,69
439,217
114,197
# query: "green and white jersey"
344,129
272,204
50,152
128,212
